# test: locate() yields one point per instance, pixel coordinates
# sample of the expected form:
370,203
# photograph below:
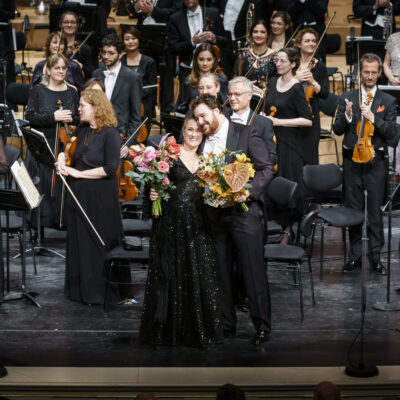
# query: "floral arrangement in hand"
225,183
151,167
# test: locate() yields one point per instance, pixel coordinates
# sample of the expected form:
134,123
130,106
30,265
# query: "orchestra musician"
123,86
292,114
93,181
188,28
74,71
69,24
313,75
257,55
153,11
280,30
145,66
43,113
370,176
204,61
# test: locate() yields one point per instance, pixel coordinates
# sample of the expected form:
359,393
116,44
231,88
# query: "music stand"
392,203
43,155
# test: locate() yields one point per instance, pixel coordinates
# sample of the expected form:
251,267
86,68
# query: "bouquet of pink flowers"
152,165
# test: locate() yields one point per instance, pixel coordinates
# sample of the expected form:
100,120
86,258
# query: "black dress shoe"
379,268
260,337
352,266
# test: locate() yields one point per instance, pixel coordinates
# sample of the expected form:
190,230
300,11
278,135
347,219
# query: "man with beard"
370,176
123,86
238,235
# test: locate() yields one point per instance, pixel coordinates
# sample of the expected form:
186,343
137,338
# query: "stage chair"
333,43
329,106
292,255
322,179
18,93
119,258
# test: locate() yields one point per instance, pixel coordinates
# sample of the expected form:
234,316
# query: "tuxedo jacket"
240,25
179,38
161,12
384,108
309,11
126,98
245,138
363,9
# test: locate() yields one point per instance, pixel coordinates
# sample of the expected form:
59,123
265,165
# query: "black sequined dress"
180,303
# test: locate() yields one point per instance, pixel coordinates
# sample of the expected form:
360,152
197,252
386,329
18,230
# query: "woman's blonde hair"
50,63
104,114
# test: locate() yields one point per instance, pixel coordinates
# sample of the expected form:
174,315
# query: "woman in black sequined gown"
180,303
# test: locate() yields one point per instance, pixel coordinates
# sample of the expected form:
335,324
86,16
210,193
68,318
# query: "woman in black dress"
316,77
257,55
292,113
43,113
145,66
180,303
280,30
94,184
53,45
204,61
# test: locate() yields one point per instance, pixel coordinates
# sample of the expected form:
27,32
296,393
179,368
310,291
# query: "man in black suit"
240,91
371,11
234,13
186,32
309,13
156,11
369,176
238,235
123,86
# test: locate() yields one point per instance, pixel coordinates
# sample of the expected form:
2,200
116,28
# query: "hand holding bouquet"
151,167
225,183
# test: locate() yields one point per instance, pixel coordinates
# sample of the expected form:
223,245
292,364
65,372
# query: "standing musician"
369,176
314,76
69,24
372,12
257,56
43,113
123,86
153,11
53,45
188,28
280,30
240,94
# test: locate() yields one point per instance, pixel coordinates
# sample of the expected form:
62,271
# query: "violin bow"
134,133
291,37
59,42
79,47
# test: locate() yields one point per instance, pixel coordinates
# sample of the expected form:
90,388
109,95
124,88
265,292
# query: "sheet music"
25,184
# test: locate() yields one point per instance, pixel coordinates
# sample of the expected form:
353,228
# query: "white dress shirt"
217,142
232,11
241,119
110,79
195,22
363,98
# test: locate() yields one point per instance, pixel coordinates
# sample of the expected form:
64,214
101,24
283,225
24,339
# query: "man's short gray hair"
246,83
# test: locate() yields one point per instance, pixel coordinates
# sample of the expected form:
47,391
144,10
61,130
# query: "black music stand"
13,200
43,155
392,203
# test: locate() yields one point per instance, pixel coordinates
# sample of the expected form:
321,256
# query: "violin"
143,133
78,46
127,190
364,150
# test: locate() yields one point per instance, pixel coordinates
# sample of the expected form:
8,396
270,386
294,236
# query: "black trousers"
375,31
372,178
240,235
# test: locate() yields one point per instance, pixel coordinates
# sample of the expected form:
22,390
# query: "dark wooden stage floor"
64,333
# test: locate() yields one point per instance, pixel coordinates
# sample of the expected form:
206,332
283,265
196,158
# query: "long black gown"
84,280
42,104
180,303
289,104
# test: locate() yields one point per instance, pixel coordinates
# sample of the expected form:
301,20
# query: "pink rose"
158,153
149,154
163,166
165,182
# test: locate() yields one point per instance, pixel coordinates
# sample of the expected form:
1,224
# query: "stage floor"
63,333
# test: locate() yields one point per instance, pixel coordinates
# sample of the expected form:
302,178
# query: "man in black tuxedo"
234,13
309,13
123,86
371,12
369,176
238,235
186,32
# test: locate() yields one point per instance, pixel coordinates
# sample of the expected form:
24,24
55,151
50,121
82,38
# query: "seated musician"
53,46
204,61
366,175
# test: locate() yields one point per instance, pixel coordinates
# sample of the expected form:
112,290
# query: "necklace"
260,54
